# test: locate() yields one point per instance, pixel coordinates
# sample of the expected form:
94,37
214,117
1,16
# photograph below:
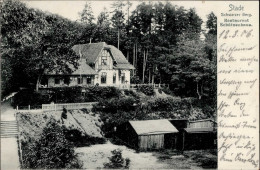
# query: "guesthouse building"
99,64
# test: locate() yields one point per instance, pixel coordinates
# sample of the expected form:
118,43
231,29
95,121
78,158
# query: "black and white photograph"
108,85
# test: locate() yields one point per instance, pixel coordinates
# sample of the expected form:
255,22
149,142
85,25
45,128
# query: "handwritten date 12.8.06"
225,34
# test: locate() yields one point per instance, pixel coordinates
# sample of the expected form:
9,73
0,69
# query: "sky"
71,9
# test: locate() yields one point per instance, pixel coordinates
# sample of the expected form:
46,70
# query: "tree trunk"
149,81
38,82
136,54
198,90
134,59
143,65
153,75
127,55
118,38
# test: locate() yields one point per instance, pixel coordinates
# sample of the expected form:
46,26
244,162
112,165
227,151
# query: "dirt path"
95,156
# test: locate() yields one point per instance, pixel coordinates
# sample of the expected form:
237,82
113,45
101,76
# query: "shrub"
116,161
97,93
29,97
79,140
116,104
131,93
146,89
167,91
52,150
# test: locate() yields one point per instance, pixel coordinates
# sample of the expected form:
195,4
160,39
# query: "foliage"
52,150
34,42
87,14
146,89
78,140
116,161
114,105
65,95
167,91
131,93
29,97
167,35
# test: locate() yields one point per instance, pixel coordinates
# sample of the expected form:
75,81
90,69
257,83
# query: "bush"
52,150
29,97
131,93
79,140
167,91
64,95
116,104
116,161
97,93
146,89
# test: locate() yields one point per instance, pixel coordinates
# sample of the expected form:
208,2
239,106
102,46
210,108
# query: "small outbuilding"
200,134
149,134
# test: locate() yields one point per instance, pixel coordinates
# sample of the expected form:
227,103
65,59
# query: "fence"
68,106
49,107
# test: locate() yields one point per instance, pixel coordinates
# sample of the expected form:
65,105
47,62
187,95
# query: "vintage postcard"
129,84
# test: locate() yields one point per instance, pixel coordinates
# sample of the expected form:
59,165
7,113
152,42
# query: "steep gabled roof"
148,127
118,55
90,52
121,61
83,69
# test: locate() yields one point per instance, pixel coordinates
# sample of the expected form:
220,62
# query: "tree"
118,18
52,150
86,16
211,23
103,26
35,42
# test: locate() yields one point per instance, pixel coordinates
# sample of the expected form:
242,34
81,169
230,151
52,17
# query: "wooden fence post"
29,107
17,108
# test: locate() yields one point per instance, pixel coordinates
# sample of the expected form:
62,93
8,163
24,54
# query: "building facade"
99,64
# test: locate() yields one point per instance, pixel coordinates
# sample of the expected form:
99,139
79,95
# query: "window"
104,58
80,80
89,80
57,81
103,78
122,78
67,80
114,78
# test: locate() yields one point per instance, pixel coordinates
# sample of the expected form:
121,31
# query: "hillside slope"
32,124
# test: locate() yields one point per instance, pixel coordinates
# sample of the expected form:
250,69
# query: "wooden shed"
200,134
148,134
180,125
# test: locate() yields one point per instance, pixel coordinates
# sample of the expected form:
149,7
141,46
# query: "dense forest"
165,43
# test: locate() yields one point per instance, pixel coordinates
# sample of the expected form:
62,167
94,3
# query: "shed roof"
200,130
149,127
202,120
